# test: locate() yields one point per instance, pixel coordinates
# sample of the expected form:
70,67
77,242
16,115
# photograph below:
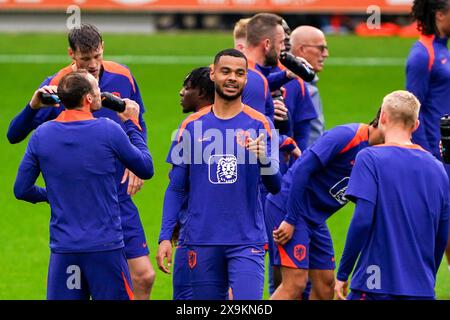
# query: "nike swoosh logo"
204,139
256,251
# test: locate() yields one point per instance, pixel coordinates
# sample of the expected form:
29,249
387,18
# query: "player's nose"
232,76
93,64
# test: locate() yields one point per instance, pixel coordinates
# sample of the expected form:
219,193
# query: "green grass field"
350,93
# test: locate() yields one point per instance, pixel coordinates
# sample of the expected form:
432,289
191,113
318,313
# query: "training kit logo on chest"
222,169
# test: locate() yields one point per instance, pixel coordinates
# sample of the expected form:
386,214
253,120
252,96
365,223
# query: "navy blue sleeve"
272,182
29,170
270,167
302,104
301,134
270,111
309,164
173,201
136,96
135,155
22,124
29,119
418,73
417,82
357,236
277,79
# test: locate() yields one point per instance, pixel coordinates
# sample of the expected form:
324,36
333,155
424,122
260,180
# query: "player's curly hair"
424,11
199,78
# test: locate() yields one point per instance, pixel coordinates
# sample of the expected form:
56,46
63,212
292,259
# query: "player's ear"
266,44
416,125
103,45
383,117
211,72
439,15
71,53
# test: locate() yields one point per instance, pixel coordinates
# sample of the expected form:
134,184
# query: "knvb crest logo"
242,137
192,258
223,169
299,252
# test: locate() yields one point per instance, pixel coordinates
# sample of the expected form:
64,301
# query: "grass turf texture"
349,94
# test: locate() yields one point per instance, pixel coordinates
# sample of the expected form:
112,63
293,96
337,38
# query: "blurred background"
147,16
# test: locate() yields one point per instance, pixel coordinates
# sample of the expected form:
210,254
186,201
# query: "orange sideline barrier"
280,6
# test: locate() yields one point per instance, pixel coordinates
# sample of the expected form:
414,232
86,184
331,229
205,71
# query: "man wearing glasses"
310,43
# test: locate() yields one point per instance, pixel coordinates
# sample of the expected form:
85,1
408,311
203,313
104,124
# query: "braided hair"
424,11
199,78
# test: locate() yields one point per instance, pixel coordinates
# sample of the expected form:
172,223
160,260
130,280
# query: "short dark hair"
424,11
232,53
73,87
374,123
86,38
262,26
199,79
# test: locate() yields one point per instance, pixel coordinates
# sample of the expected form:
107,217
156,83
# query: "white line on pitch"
178,60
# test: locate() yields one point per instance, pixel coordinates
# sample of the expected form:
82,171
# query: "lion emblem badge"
225,171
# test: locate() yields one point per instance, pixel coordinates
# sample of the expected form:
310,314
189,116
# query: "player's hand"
280,110
296,152
257,146
134,183
292,75
131,111
164,252
341,289
284,233
35,102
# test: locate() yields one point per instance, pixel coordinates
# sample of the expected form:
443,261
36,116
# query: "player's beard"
228,97
271,59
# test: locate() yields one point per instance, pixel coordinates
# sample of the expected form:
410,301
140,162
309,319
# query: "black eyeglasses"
322,48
